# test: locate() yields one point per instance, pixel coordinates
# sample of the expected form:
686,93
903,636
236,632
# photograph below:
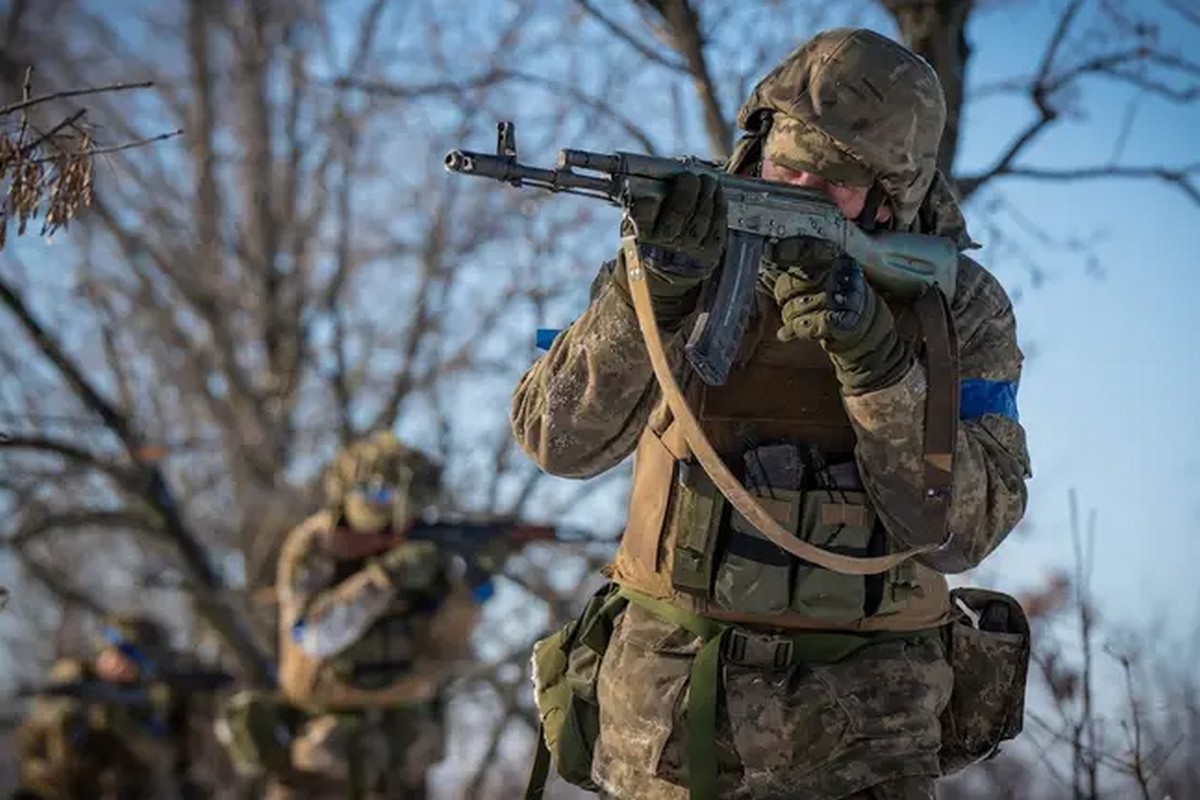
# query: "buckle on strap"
746,649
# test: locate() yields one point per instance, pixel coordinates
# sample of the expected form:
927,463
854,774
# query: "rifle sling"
941,406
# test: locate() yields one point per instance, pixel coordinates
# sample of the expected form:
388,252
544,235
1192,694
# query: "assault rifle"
759,212
480,543
141,693
911,267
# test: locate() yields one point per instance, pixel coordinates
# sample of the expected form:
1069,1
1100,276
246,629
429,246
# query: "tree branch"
686,36
1040,91
41,523
59,586
1180,177
117,422
21,105
402,92
69,451
645,51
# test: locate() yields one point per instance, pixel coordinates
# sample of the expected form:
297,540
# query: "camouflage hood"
860,98
379,480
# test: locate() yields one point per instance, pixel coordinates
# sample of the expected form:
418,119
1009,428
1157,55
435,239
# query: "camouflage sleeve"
321,616
579,410
47,742
991,462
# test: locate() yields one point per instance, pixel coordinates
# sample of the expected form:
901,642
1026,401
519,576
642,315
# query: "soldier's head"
855,114
132,646
379,484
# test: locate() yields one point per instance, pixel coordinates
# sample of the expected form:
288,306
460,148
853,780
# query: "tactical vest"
399,660
779,423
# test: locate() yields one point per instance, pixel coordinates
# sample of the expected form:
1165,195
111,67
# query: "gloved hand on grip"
411,565
832,303
681,230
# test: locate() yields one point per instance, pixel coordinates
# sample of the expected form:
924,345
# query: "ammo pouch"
988,646
722,557
566,669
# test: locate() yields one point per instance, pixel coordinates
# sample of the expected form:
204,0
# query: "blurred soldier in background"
371,623
116,727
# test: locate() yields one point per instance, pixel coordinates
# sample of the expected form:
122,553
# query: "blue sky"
1111,388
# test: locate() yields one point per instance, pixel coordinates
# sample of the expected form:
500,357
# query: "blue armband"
979,396
482,592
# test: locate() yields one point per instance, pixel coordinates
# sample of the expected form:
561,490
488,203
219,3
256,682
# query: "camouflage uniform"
70,749
847,102
367,642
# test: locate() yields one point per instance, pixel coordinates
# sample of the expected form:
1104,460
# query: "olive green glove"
411,565
832,303
681,230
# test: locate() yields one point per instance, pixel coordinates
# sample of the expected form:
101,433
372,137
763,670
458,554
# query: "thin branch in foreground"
21,105
66,187
101,151
1181,177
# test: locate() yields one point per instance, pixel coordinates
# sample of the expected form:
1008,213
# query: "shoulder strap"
941,407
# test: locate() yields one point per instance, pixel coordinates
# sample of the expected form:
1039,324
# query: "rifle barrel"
508,170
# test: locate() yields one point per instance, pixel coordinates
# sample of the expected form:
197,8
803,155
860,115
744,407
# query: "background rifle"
759,212
140,693
480,544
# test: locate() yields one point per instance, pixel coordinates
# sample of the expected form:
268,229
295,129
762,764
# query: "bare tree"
294,276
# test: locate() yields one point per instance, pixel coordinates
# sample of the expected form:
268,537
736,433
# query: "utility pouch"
566,669
844,522
698,507
754,575
988,645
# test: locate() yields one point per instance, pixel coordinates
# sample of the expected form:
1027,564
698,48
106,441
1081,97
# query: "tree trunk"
937,31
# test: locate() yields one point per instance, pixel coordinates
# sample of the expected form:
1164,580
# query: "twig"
1085,729
616,30
1177,176
1126,129
400,92
1137,766
138,143
1182,8
1040,92
26,92
33,101
68,122
58,586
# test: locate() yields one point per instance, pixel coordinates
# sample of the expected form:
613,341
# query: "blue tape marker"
979,396
546,337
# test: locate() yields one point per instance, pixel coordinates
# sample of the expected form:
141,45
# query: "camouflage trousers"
371,756
866,727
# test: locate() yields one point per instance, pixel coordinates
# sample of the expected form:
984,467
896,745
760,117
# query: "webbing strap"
941,407
541,768
702,720
702,691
